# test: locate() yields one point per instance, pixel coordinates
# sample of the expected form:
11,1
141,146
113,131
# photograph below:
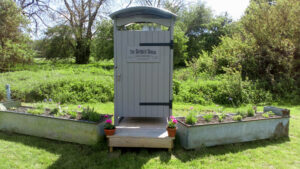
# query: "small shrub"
221,117
35,111
73,114
40,106
242,113
268,114
271,113
265,115
237,118
54,111
191,118
208,117
90,114
250,112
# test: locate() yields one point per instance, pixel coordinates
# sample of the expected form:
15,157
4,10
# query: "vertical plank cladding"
130,83
137,89
143,81
148,86
155,78
166,58
160,72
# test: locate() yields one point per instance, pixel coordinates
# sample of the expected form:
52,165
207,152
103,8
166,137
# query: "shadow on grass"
81,156
188,155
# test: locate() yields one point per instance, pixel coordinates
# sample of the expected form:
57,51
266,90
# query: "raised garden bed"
44,124
232,130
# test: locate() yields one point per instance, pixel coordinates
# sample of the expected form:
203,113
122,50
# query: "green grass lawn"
20,151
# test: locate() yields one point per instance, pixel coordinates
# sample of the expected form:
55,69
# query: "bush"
208,117
74,91
250,112
35,111
221,117
242,113
219,89
90,114
65,83
237,118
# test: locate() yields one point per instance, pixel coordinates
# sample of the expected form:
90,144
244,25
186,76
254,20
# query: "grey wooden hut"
143,63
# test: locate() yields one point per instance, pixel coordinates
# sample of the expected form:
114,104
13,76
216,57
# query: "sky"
235,8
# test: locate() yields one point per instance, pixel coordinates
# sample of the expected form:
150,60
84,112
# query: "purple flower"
50,100
191,108
106,116
230,98
45,100
79,106
109,121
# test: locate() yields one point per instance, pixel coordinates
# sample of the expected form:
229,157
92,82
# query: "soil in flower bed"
229,118
49,113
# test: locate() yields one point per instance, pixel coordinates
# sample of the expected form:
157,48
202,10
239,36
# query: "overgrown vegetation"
65,83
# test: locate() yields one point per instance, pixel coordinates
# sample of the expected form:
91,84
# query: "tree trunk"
82,51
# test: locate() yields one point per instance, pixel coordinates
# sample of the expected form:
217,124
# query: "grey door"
142,74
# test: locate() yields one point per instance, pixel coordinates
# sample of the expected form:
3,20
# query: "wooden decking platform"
141,132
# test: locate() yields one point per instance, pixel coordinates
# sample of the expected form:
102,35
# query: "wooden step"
141,132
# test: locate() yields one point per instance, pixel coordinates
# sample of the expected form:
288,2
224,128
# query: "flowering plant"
108,123
172,122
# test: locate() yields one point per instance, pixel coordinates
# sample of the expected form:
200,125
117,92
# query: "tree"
103,46
58,43
14,44
180,46
154,3
81,16
204,30
174,6
34,10
275,29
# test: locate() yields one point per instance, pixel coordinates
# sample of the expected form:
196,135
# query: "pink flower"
175,121
191,108
106,116
109,121
172,117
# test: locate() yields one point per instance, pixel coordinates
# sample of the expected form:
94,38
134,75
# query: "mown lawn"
20,151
